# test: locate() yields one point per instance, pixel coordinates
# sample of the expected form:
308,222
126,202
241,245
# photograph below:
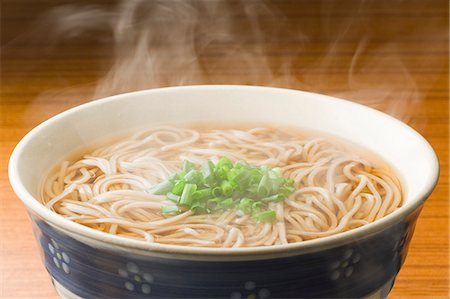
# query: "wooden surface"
391,55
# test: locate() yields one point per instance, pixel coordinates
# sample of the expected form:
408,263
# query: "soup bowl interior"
397,144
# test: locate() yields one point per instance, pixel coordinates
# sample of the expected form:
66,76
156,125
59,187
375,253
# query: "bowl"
85,263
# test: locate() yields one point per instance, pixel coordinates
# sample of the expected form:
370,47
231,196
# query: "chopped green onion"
225,163
287,189
187,166
161,188
227,203
213,203
245,205
202,194
178,188
217,192
273,198
264,186
275,184
170,210
258,205
242,164
217,187
241,179
222,168
198,206
186,197
227,188
208,170
173,197
266,216
277,171
194,177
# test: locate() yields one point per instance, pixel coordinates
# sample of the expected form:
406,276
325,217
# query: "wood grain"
351,49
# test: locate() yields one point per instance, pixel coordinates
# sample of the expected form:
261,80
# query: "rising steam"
172,42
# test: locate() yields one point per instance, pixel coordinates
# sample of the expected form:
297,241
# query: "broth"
253,185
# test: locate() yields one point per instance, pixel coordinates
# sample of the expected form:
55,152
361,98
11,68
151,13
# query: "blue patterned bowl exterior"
355,269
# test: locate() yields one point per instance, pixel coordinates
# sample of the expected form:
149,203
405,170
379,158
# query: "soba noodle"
335,190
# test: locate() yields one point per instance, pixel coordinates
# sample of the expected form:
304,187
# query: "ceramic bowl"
90,264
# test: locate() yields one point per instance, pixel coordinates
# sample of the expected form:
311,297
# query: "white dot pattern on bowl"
132,267
251,291
60,258
264,293
129,286
55,244
65,257
335,275
344,267
250,285
146,289
356,258
235,295
148,277
348,253
65,268
136,279
55,260
348,271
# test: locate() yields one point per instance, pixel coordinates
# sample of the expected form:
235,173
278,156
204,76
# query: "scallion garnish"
178,187
187,197
217,187
266,216
173,197
161,188
170,209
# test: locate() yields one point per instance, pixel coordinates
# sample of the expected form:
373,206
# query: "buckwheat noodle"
335,190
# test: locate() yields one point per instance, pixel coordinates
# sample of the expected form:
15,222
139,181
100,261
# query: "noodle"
335,190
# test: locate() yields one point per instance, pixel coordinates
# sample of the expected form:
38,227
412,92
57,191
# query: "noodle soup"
227,186
198,211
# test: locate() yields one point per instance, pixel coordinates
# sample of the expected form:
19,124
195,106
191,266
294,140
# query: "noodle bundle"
334,189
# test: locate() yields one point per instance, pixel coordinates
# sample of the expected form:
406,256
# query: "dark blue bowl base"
354,270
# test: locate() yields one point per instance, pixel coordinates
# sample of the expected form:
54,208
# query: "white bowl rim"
293,248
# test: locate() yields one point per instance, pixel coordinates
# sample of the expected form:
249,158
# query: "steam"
164,43
172,42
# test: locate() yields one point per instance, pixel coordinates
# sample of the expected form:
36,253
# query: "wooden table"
390,55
